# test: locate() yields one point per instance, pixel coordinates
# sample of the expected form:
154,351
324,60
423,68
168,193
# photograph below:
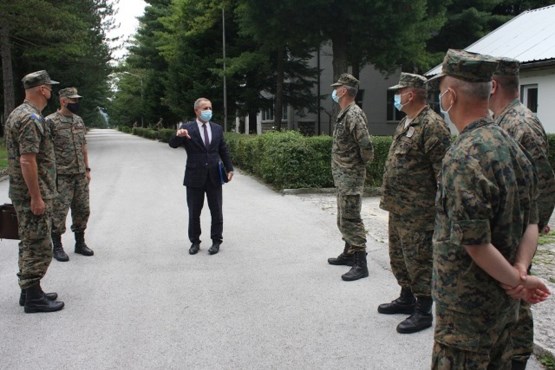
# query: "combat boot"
80,246
57,249
50,296
519,365
36,301
359,269
421,318
404,304
345,258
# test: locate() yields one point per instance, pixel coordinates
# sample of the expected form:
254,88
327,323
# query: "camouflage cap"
507,67
36,79
346,80
467,66
410,80
69,92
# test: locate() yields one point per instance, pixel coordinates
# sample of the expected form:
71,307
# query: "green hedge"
163,135
290,160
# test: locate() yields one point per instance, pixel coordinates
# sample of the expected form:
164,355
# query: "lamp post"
142,100
223,52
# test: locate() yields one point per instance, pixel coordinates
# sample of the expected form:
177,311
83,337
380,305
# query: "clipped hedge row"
290,160
163,135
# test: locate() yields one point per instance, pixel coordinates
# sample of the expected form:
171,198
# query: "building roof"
528,37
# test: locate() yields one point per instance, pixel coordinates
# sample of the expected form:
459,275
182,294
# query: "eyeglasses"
47,88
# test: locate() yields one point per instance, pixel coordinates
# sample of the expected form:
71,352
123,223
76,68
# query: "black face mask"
72,107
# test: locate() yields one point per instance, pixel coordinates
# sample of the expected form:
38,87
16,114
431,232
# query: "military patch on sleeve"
39,122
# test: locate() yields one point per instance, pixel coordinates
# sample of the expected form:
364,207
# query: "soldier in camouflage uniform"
351,150
408,193
486,221
32,171
74,174
523,126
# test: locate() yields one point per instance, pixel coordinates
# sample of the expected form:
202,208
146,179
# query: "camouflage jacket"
27,132
351,150
69,141
523,126
412,166
486,194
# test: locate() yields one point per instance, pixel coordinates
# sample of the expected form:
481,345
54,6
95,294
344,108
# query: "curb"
540,350
368,192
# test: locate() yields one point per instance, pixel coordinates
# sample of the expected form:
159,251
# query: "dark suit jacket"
202,162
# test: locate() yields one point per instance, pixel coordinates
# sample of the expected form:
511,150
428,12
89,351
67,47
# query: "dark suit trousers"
195,202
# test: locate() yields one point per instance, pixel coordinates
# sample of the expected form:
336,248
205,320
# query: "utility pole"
225,85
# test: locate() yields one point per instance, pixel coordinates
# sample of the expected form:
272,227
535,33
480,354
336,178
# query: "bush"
165,134
125,129
290,160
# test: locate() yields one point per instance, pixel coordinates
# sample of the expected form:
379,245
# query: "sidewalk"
376,220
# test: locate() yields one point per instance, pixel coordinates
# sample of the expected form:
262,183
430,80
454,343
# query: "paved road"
268,300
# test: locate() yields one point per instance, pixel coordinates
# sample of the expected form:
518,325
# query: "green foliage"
548,361
163,135
3,156
68,39
375,169
548,238
290,160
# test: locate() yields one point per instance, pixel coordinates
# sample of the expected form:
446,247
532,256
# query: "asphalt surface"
268,300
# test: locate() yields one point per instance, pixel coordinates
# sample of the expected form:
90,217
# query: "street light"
223,52
142,100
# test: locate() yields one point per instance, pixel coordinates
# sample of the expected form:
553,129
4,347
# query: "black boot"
404,304
36,301
57,250
519,365
345,258
50,296
421,318
359,269
80,246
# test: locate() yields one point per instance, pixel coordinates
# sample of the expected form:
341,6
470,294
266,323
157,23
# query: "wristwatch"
88,169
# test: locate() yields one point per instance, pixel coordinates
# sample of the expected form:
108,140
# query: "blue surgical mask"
397,102
443,111
206,115
335,97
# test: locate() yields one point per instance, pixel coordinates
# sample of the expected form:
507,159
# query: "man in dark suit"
206,148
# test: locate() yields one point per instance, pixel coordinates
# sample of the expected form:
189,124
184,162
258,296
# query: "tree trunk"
278,102
252,122
339,49
7,73
340,65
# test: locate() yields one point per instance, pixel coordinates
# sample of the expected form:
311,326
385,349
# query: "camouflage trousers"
410,253
73,193
522,335
350,222
35,250
473,341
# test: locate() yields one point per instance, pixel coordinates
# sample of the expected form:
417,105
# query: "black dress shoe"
194,248
215,248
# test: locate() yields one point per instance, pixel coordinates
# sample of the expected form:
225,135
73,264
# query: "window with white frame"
529,96
268,114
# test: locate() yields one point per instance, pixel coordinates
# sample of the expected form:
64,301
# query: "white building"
529,38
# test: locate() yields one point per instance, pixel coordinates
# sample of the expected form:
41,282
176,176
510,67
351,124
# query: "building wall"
374,101
545,79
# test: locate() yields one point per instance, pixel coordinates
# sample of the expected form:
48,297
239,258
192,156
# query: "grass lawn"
3,155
